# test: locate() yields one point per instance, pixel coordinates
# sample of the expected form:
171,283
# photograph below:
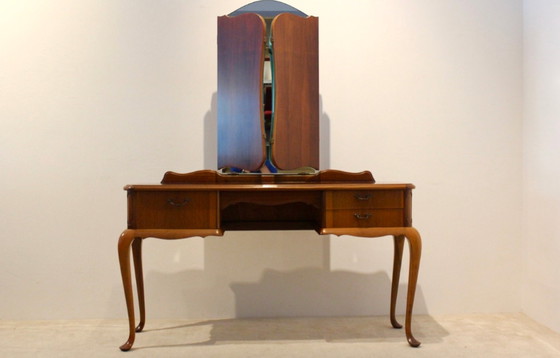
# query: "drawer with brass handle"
364,218
173,210
363,199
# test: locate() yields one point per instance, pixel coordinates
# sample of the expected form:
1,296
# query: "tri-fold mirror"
268,90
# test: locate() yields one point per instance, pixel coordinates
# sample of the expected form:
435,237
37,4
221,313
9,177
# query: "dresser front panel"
173,210
364,218
364,208
372,199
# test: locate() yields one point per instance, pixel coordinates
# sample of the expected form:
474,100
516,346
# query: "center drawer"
173,210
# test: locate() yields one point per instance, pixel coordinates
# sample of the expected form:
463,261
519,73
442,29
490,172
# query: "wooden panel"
240,69
364,218
296,98
289,216
354,199
271,198
173,210
212,177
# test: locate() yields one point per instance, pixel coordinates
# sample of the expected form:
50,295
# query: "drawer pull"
362,216
362,197
178,204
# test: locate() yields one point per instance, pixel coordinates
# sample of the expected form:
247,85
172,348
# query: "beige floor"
498,335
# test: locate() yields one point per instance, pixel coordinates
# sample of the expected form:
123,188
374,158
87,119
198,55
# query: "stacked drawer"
373,208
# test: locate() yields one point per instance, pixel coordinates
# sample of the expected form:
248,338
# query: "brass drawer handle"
178,204
362,197
362,216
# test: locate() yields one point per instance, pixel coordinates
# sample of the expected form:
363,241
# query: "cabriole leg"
125,242
138,272
415,246
397,261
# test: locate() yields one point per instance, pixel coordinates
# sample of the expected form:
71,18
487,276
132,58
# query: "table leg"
125,242
397,261
415,246
138,272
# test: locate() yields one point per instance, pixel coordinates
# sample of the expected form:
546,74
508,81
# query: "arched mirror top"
267,9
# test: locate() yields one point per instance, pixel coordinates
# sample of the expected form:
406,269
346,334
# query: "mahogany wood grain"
290,216
359,209
335,176
364,199
223,187
180,209
295,129
268,198
241,143
213,177
364,218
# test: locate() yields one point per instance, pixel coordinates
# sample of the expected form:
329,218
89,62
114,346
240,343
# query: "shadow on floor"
285,330
315,292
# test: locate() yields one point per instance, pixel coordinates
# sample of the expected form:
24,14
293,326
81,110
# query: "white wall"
541,284
98,94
